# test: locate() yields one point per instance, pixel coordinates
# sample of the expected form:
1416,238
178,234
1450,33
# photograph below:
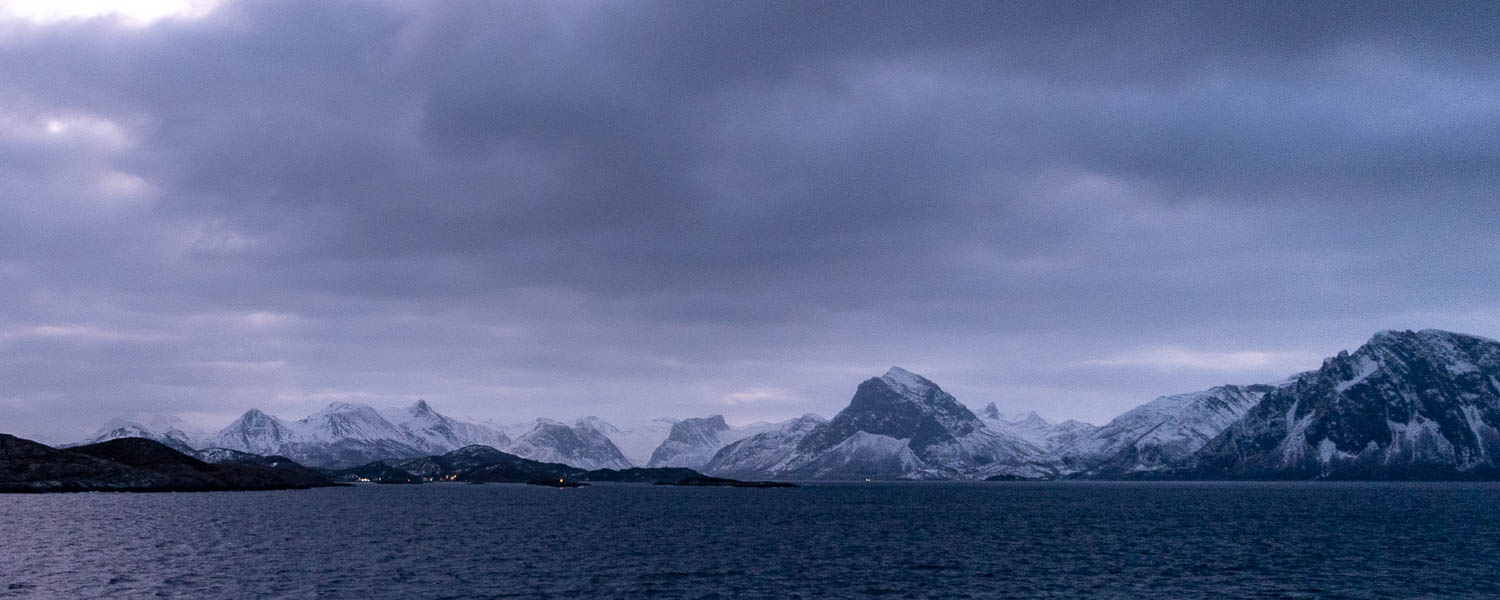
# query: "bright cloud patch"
136,13
1172,358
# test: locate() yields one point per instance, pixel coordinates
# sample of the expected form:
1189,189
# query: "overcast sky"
634,209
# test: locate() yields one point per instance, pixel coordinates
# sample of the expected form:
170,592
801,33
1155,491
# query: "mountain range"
345,434
1405,405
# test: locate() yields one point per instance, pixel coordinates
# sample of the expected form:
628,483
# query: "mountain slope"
166,430
429,431
1159,435
1406,405
691,443
897,426
554,442
949,440
765,452
344,435
636,440
1038,431
255,432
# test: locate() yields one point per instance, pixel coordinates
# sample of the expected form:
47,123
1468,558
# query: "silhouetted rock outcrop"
137,465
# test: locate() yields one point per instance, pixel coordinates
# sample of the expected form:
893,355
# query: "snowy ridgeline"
1405,405
345,434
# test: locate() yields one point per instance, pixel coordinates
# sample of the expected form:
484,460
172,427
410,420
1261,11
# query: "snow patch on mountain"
862,455
635,439
171,431
1367,367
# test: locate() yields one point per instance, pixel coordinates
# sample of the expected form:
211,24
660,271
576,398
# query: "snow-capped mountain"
899,425
691,443
1033,428
554,442
1406,405
346,421
340,435
766,452
168,430
435,433
636,440
1160,434
345,434
255,432
948,439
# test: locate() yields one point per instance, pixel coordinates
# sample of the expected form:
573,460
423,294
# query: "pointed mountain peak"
991,411
1034,420
422,410
254,414
902,380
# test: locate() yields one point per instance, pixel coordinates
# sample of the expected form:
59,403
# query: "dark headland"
140,465
483,464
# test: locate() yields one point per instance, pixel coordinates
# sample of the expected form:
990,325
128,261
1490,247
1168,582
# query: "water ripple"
1012,540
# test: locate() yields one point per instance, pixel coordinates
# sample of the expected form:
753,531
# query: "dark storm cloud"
678,208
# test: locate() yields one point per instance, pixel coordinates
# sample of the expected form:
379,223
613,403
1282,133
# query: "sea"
821,540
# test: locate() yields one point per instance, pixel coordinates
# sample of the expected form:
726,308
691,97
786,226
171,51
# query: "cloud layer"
641,209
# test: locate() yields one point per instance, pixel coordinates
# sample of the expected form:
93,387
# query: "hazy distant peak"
991,411
254,414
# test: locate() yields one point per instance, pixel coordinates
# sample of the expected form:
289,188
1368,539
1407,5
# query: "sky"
640,209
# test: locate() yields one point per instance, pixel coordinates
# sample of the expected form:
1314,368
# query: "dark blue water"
1020,540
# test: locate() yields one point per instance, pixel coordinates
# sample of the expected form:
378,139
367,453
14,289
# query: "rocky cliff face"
1406,405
